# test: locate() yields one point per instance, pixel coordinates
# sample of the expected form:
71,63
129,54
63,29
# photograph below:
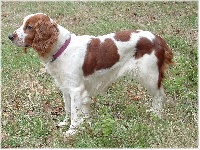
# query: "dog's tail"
168,55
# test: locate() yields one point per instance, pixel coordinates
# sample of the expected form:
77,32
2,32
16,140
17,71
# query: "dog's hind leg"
150,77
158,101
157,94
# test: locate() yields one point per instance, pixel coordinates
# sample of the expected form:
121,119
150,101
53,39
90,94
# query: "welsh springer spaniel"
83,66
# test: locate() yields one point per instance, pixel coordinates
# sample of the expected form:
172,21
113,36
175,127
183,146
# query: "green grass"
32,105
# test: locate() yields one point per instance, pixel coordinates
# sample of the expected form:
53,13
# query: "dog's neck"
64,35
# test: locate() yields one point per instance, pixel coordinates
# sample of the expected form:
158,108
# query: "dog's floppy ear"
45,36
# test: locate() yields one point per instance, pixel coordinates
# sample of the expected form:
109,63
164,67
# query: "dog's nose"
11,37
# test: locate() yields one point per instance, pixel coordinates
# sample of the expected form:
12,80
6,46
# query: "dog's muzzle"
11,37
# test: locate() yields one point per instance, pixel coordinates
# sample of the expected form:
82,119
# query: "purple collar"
61,50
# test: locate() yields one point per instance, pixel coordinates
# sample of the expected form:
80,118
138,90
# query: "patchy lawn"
32,105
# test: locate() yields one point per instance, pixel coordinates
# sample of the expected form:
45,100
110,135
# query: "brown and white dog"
83,66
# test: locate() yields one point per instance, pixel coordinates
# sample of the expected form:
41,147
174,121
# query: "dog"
84,66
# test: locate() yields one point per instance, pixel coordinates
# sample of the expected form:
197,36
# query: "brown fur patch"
143,46
42,35
100,55
32,23
123,36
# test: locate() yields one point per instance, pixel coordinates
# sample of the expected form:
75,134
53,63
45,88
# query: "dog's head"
37,31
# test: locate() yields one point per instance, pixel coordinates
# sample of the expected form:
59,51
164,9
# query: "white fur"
77,89
21,36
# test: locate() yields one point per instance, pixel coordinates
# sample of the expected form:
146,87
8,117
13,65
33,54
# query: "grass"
32,105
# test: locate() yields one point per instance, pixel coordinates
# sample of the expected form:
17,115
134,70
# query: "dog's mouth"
26,47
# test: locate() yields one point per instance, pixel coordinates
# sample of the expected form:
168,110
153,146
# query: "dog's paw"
63,123
60,124
157,113
69,136
70,133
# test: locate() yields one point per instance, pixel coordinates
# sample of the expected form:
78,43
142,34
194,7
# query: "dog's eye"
28,27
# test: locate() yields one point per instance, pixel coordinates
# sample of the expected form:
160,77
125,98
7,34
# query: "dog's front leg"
80,110
67,102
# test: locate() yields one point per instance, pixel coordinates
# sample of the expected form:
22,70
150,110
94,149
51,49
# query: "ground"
32,105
